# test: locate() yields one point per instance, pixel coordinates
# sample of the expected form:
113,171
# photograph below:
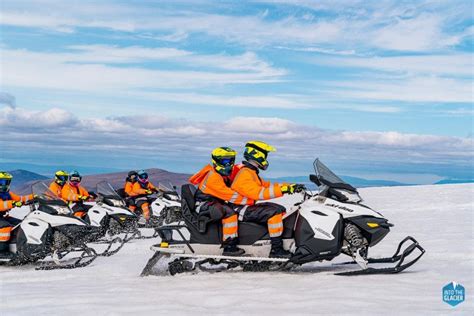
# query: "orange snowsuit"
248,183
128,189
55,188
6,204
71,193
137,190
212,183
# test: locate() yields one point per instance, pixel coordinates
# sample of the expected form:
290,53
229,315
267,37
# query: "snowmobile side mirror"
314,178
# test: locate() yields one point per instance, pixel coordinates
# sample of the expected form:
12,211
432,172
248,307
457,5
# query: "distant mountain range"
453,181
354,181
23,179
22,184
20,177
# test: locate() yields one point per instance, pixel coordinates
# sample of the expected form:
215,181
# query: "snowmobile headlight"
373,225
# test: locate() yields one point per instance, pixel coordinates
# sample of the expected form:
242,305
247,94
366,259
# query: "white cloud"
409,89
454,64
22,68
388,25
19,118
55,130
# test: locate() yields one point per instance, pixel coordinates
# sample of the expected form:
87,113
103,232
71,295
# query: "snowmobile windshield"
108,195
106,190
334,186
168,188
45,195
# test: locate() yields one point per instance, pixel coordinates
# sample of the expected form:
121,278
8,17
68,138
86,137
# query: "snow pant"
143,204
265,213
227,215
131,204
6,225
80,209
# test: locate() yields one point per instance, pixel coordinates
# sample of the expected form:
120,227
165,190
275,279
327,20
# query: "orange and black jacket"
247,182
128,188
55,188
7,199
212,183
71,193
140,189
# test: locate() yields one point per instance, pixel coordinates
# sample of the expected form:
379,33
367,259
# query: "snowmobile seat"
199,220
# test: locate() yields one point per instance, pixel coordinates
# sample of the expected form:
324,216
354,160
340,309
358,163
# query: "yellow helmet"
61,177
223,159
257,151
5,180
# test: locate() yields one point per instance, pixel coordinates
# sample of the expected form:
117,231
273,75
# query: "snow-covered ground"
440,217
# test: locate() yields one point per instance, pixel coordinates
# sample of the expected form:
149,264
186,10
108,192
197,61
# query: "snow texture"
440,217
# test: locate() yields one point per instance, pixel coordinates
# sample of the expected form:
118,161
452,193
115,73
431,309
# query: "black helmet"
132,176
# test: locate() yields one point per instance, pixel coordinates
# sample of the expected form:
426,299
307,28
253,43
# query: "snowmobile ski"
86,258
397,257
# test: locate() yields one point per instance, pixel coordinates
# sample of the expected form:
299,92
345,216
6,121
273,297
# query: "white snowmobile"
50,230
167,205
110,216
320,227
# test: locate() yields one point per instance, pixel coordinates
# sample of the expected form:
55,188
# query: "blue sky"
376,89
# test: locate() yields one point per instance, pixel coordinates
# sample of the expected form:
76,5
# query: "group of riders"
228,190
232,190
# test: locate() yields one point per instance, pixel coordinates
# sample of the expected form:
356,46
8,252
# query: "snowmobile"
49,229
110,216
167,205
320,227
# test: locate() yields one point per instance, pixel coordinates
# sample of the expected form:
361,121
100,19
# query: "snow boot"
231,249
277,250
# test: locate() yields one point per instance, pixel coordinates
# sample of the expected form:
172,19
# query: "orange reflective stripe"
203,184
275,225
5,205
146,211
5,233
230,227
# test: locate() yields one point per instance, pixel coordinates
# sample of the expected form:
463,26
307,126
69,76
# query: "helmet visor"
61,178
143,176
5,182
227,161
75,179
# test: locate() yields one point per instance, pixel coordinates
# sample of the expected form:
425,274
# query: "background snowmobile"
167,205
50,230
110,216
320,227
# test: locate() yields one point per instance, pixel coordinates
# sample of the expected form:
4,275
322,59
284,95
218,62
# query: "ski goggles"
226,161
143,176
75,179
4,182
61,178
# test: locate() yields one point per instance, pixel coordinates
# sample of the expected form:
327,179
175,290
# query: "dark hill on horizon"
116,179
20,177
